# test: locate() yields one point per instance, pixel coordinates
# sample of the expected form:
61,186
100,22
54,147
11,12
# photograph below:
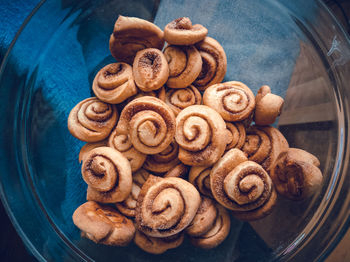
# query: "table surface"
11,246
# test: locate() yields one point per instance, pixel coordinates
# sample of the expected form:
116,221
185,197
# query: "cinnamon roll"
166,206
268,106
128,206
217,233
108,175
179,170
199,176
122,143
200,133
296,174
150,124
92,120
179,99
242,186
150,69
103,224
181,32
114,83
89,146
214,63
234,101
264,144
131,35
163,161
204,218
185,64
236,135
157,245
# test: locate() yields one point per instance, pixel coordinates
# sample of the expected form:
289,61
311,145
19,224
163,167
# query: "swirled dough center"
235,101
196,129
103,174
166,210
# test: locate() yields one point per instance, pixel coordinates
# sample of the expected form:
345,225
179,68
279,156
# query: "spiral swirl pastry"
264,144
92,120
103,224
236,135
242,186
128,206
217,233
199,133
114,83
268,106
166,206
234,101
150,124
156,245
179,99
181,32
150,69
131,35
89,146
163,161
185,64
179,170
122,143
296,174
200,177
108,175
204,218
214,63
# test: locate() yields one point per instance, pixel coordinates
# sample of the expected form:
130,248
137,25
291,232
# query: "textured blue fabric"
13,14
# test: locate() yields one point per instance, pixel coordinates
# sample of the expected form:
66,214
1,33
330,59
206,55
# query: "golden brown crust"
92,120
199,133
89,146
128,206
242,186
220,170
181,32
217,234
166,206
150,124
108,175
233,100
264,144
114,83
179,170
236,135
163,161
214,63
150,69
296,175
131,35
103,224
268,106
156,245
122,143
259,213
179,99
185,64
204,218
199,176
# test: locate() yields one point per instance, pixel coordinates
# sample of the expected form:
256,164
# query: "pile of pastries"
172,150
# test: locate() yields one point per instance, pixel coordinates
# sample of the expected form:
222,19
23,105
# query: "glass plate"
296,47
